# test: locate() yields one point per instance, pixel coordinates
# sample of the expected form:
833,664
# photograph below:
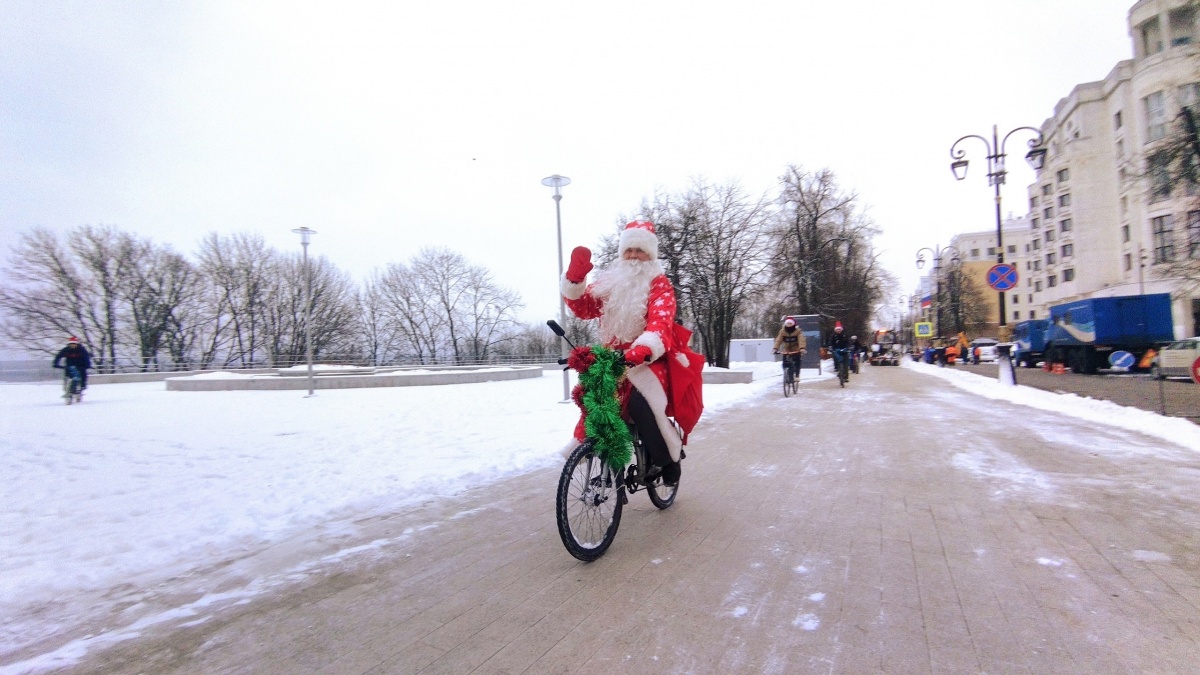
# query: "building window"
1051,281
1037,287
1012,248
1032,314
1156,116
1160,177
1068,250
1064,200
1065,225
1151,34
1124,205
1117,121
1030,298
1037,265
1016,315
1125,233
1046,190
1193,231
1051,258
1189,95
1048,212
1028,265
1016,298
974,254
1037,243
1182,24
1033,224
991,250
1068,275
1164,238
1120,148
1063,175
1127,260
1050,235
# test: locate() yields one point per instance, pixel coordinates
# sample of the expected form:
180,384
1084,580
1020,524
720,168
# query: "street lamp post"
305,235
556,181
937,252
996,176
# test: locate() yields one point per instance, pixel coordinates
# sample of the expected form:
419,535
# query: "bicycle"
791,368
598,474
841,360
72,385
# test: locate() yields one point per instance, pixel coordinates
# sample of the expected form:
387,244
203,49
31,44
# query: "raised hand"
581,264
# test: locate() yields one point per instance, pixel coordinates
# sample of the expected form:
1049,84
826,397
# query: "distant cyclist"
75,355
839,346
790,343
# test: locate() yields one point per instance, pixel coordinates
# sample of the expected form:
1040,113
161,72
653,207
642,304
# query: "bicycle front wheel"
787,382
588,504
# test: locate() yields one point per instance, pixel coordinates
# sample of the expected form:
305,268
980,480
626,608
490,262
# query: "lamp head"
1036,158
959,168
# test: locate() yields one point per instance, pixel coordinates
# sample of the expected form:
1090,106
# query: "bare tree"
824,255
724,262
238,268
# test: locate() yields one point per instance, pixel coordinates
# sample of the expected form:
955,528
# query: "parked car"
987,349
1176,359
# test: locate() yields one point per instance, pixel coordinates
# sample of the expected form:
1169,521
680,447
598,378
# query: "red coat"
671,383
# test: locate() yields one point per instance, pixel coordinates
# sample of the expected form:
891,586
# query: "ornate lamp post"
556,181
996,176
937,252
305,235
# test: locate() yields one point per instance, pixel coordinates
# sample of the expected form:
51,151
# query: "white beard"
624,287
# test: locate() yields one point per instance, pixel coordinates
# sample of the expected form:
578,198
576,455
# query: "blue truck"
1082,334
1029,342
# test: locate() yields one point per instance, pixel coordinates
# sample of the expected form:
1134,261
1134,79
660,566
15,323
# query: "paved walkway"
894,526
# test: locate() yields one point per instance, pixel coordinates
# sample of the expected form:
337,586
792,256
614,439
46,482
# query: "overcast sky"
389,126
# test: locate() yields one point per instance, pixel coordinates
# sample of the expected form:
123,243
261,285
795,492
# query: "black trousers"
641,414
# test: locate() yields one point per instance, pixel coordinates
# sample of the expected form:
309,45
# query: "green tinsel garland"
603,421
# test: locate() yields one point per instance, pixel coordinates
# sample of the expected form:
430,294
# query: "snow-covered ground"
141,488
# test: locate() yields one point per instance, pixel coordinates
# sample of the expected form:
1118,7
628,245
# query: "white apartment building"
1097,225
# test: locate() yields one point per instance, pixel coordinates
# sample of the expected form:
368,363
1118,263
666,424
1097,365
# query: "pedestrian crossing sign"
923,329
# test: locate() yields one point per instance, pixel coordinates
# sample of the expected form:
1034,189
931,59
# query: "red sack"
685,379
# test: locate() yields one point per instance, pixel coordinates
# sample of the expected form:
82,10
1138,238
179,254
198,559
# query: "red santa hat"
639,234
73,340
837,325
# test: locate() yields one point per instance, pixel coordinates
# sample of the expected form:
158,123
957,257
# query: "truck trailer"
1082,334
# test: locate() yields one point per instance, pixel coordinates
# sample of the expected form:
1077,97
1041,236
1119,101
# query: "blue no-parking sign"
1002,277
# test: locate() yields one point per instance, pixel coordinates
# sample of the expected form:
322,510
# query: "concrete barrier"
712,376
409,378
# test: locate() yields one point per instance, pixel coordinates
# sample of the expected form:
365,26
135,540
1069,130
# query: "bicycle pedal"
624,499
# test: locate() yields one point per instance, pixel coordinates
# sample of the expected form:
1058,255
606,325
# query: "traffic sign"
1121,359
923,329
1002,277
1196,371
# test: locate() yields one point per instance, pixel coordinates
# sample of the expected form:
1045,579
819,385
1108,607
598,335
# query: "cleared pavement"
898,525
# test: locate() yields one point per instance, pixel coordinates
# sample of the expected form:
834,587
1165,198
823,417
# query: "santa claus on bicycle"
635,303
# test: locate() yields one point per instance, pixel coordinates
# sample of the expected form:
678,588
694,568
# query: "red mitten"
638,355
581,264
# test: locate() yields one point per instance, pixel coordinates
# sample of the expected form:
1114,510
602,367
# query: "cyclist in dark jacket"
75,355
839,344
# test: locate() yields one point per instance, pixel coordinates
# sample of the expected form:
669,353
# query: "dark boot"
671,473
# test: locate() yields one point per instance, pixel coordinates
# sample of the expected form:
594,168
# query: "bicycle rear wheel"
588,504
843,375
662,495
787,382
